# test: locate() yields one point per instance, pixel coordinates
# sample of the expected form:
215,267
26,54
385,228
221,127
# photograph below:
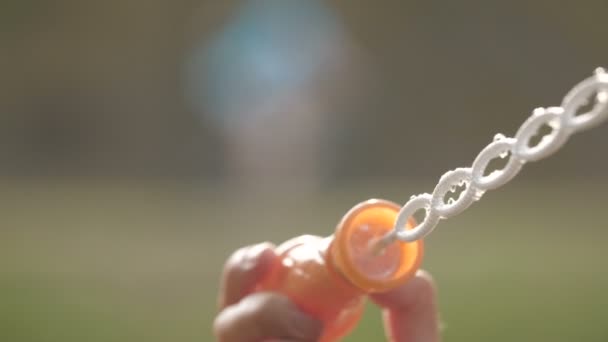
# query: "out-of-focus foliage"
140,262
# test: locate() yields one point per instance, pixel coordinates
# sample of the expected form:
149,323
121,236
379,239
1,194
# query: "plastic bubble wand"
378,246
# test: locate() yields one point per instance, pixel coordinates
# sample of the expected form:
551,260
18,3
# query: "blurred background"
141,142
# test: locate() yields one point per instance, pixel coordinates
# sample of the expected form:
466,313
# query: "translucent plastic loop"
449,182
496,149
580,96
563,120
423,228
550,143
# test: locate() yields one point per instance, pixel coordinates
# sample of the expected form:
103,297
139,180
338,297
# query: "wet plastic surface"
329,278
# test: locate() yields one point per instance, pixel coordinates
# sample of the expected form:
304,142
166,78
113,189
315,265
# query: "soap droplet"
477,195
538,111
451,201
499,137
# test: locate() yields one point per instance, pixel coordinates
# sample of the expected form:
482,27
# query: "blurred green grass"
140,262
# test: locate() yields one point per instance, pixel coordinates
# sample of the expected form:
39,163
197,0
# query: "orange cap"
353,256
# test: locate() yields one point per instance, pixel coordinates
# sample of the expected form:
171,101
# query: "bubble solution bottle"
329,278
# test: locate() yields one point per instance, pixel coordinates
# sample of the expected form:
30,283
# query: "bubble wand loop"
564,122
329,277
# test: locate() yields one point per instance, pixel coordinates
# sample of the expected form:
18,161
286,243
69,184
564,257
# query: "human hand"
410,313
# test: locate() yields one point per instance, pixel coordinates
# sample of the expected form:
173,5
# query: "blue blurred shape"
268,49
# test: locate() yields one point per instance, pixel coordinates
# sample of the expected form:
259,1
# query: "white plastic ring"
447,183
549,143
579,96
423,228
499,177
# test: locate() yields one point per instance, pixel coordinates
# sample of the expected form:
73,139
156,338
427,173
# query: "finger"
265,315
410,312
243,271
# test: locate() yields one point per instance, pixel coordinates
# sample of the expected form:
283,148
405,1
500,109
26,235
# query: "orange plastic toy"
329,277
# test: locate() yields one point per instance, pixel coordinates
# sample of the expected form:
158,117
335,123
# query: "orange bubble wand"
377,246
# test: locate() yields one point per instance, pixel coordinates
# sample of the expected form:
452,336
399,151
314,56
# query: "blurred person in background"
273,80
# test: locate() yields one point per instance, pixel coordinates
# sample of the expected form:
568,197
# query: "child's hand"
410,313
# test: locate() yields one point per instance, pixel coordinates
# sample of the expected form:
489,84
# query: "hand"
410,313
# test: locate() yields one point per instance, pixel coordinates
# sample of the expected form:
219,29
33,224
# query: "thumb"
410,311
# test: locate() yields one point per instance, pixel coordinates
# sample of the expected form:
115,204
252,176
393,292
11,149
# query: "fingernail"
305,326
258,249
